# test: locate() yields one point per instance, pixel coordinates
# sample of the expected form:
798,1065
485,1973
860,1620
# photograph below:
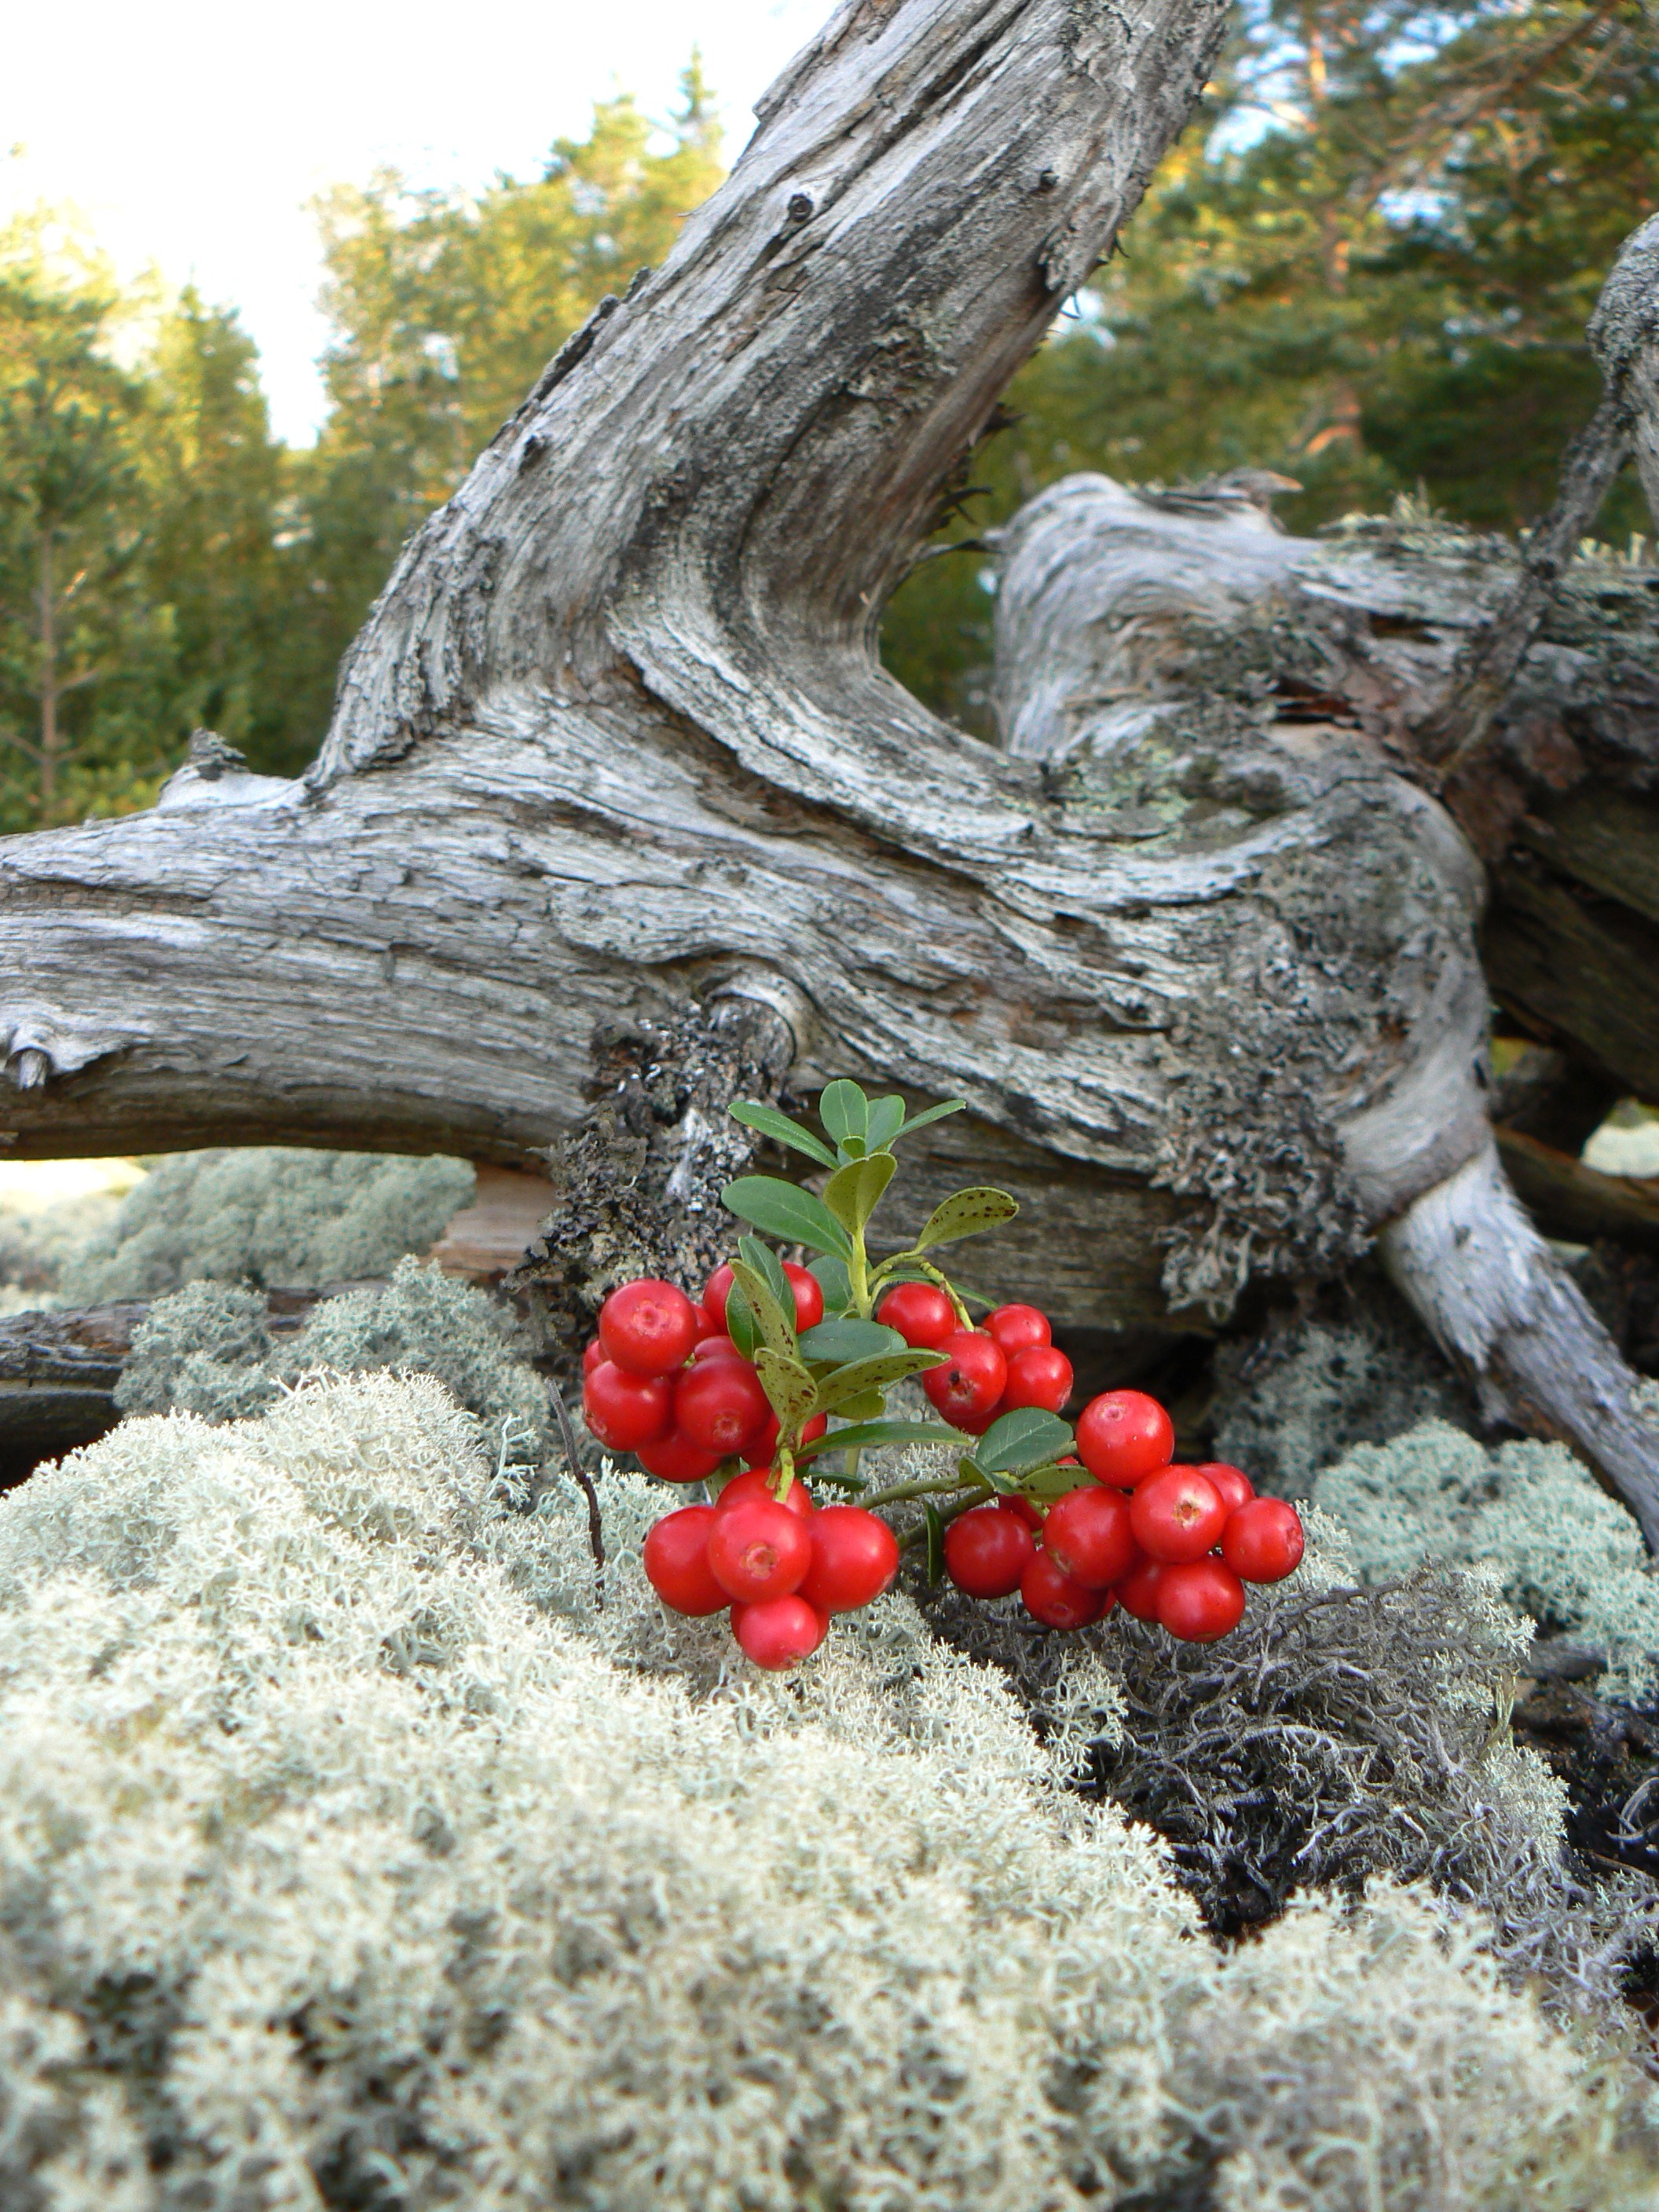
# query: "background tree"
1368,266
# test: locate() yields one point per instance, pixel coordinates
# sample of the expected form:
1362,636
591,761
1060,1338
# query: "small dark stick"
573,1458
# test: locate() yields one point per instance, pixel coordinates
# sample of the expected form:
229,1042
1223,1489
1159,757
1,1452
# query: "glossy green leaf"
785,1211
1026,1437
739,1321
853,1192
967,1213
885,1120
776,1328
843,1109
933,1114
787,1385
857,1435
935,1541
1054,1481
766,1263
769,1122
993,1478
833,1343
847,1382
832,1280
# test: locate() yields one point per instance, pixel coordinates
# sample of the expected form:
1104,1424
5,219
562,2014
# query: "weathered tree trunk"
614,738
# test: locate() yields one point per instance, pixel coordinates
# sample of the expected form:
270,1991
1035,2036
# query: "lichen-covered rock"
270,1217
352,1852
1560,1548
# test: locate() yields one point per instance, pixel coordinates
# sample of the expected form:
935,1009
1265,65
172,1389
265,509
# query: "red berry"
761,1448
1052,1597
713,1294
1232,1485
674,1458
779,1632
922,1313
707,1326
1040,1375
677,1567
1263,1541
1123,1436
1176,1515
647,1327
759,1549
1026,1508
966,1386
756,1483
809,1295
1088,1536
986,1551
1019,1329
717,1346
1200,1600
592,1356
855,1555
626,1411
719,1404
1137,1591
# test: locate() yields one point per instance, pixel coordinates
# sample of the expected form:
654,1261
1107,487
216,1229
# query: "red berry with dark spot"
676,1566
1200,1600
1263,1541
1087,1534
647,1327
922,1313
986,1551
1019,1329
626,1411
756,1483
1137,1591
761,1448
1176,1515
1052,1597
855,1556
1124,1436
966,1384
1040,1375
719,1404
759,1550
779,1632
809,1295
674,1458
1232,1485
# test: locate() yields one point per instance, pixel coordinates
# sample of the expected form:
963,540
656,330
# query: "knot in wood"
801,207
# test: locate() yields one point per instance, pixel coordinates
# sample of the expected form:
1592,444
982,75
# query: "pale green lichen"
268,1216
352,1853
1559,1548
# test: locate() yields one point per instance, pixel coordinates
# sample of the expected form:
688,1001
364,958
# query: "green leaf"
843,1109
851,1381
1026,1437
935,1541
853,1192
768,1265
787,1385
993,1478
968,1213
739,1321
850,1148
775,1329
933,1114
832,1280
785,1211
771,1123
1054,1481
856,1434
833,1343
886,1120
868,1406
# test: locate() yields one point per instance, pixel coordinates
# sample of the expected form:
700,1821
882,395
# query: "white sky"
191,135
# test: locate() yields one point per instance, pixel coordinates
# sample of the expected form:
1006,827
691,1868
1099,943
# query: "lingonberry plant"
737,1388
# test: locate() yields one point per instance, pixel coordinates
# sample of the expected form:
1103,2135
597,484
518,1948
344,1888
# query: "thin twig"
574,1459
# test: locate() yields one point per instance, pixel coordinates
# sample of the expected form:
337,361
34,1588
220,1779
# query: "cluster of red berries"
1177,1548
662,1380
1011,1362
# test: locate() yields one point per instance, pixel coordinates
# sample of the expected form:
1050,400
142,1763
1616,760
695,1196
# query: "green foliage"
1368,267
